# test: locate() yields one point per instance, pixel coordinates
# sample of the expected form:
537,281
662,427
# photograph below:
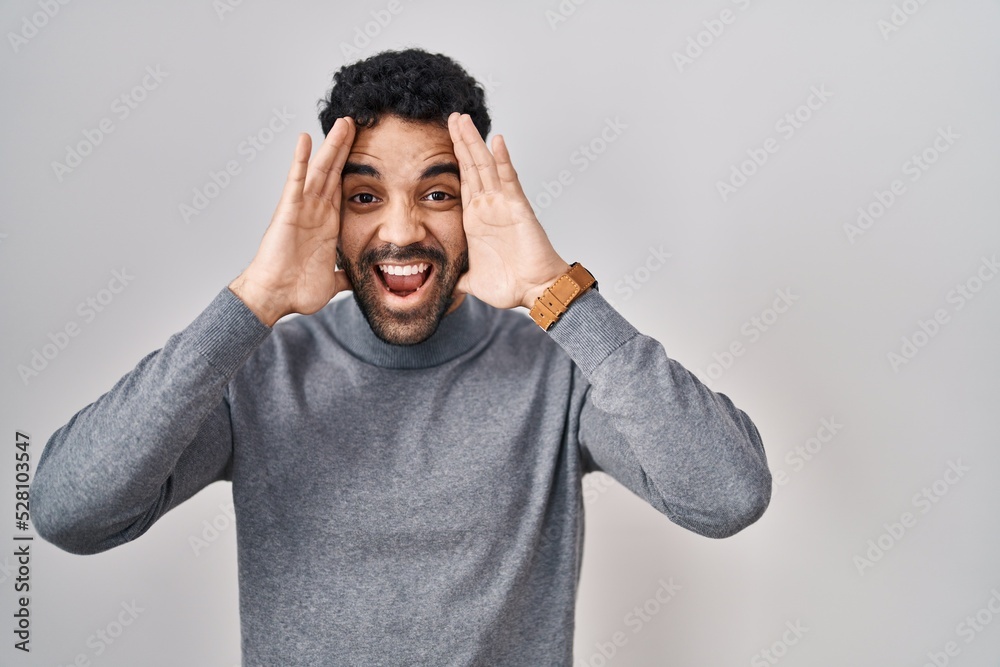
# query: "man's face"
401,241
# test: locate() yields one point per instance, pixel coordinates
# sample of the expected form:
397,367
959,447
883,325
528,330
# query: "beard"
416,323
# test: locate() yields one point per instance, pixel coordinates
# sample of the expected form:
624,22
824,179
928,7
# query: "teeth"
404,269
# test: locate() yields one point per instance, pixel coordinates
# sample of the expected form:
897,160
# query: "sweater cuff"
227,332
590,330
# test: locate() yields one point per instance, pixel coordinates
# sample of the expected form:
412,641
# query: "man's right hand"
294,268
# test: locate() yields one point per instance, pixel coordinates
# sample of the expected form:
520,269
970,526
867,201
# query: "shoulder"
294,341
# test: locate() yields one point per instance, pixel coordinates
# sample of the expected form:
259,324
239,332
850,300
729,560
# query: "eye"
439,195
366,198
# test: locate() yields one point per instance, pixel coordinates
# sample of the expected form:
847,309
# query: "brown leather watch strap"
556,299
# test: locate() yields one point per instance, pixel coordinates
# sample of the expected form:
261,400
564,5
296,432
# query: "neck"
465,323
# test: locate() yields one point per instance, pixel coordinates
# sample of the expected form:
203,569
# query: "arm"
646,420
163,432
654,427
155,439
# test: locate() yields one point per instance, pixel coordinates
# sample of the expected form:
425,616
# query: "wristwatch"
555,300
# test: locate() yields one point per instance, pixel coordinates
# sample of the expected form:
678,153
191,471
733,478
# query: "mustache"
390,252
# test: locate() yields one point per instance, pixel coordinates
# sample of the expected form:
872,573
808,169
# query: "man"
406,465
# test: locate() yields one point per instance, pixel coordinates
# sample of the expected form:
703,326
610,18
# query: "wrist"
260,301
531,295
557,298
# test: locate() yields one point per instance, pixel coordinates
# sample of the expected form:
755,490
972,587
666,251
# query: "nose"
402,225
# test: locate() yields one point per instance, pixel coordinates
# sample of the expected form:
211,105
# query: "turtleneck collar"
457,333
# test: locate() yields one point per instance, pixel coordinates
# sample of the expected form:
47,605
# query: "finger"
471,185
505,169
292,192
331,189
456,140
481,155
322,162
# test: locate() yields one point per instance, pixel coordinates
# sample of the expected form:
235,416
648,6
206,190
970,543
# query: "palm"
300,250
509,252
294,266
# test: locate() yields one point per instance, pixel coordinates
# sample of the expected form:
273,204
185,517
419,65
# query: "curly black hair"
412,84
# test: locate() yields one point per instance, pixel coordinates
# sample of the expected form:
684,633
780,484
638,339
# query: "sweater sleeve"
654,427
155,439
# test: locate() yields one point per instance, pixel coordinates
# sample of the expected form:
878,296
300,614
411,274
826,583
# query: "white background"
553,86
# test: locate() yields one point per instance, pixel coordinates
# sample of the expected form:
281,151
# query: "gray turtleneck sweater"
417,505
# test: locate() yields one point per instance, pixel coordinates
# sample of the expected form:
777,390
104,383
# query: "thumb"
464,285
341,282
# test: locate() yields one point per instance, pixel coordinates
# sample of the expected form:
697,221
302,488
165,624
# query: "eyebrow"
430,172
441,168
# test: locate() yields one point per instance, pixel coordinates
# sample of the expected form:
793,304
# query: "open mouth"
404,280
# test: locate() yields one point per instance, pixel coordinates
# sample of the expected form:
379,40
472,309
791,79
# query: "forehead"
400,147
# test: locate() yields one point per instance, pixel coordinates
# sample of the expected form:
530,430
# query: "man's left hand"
511,261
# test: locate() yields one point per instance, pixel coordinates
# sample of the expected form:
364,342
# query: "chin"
405,297
403,319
